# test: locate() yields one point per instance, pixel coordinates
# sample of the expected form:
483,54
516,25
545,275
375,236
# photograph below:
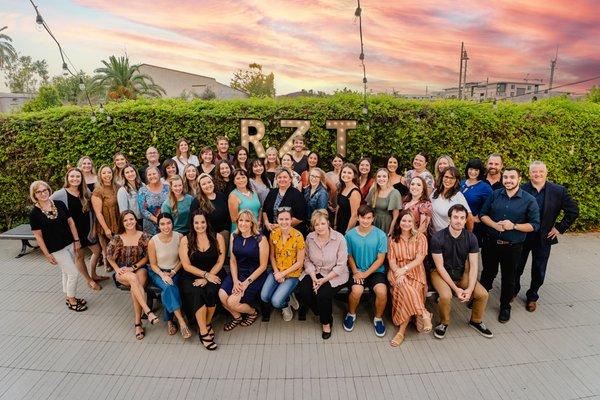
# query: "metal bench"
22,233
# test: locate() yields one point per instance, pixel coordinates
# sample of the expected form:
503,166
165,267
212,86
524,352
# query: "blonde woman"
105,205
86,165
119,164
179,205
441,164
183,155
190,180
271,164
57,237
315,193
385,200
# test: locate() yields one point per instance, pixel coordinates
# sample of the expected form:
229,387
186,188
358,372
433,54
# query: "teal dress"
181,219
251,203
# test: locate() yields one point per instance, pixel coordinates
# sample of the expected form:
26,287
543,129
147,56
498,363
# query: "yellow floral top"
285,253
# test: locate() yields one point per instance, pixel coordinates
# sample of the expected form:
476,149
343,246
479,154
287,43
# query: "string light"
361,57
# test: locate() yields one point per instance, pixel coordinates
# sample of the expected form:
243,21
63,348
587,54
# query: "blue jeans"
277,293
169,294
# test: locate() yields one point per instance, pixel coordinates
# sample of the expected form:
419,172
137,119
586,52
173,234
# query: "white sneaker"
287,314
294,302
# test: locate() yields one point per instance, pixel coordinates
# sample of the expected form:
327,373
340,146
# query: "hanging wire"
64,57
361,57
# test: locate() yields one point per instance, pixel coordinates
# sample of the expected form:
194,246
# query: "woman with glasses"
315,193
446,194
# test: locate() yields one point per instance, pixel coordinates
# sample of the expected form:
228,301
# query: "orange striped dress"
408,297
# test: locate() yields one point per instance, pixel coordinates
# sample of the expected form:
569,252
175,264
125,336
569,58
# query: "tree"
47,97
7,51
124,81
70,92
594,94
254,82
208,94
25,75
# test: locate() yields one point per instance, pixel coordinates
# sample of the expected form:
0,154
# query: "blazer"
556,199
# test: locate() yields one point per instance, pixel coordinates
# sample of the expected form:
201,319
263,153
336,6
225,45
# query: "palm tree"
7,51
124,81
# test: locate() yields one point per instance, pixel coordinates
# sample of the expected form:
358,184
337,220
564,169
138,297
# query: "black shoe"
301,314
440,331
265,311
470,304
504,315
325,335
481,328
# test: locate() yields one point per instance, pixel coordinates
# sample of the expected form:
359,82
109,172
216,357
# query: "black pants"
540,253
321,303
508,256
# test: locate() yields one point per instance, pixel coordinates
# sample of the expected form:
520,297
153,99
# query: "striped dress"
408,297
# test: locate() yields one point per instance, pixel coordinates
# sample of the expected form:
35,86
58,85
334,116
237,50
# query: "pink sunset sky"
314,44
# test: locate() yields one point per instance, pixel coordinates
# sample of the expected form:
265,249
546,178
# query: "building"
481,91
10,102
185,84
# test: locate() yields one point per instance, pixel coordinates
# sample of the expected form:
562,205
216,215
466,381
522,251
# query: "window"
512,94
528,87
501,88
520,91
512,86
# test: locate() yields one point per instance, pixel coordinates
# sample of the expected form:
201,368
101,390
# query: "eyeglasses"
42,191
314,176
449,178
281,209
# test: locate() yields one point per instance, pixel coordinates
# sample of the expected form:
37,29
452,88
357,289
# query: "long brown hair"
192,236
220,183
172,197
439,184
204,202
84,195
354,180
397,230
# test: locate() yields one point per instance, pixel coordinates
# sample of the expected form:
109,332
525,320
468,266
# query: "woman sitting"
248,263
127,253
202,253
163,253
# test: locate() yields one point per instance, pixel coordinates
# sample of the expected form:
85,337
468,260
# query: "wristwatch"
249,280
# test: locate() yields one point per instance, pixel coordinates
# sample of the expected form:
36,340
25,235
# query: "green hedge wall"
565,134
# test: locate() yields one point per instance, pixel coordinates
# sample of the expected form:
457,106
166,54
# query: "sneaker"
287,313
294,302
440,331
481,328
379,327
349,322
504,315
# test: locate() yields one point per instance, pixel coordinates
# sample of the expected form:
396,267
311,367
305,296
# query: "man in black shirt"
455,253
495,163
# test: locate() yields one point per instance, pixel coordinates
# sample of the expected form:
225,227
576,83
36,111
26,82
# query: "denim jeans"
277,293
169,294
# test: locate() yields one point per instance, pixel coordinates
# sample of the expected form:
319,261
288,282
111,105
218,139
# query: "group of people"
293,235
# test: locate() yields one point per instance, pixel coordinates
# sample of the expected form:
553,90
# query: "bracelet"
249,280
204,275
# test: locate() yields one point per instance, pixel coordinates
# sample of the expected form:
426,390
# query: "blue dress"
247,256
149,204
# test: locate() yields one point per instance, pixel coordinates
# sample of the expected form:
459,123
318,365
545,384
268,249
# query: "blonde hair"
376,189
436,170
190,187
99,181
248,213
322,178
318,215
33,187
84,195
277,163
172,198
82,159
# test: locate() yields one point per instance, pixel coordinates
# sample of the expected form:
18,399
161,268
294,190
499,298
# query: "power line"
361,57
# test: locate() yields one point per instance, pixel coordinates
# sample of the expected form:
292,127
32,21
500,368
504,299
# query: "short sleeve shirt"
440,207
56,232
454,250
286,252
365,249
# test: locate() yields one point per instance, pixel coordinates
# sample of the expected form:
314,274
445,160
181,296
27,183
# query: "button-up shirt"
521,208
329,257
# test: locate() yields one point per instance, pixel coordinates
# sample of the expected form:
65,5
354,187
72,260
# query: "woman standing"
288,162
385,201
248,263
348,199
127,253
183,156
271,165
476,191
207,165
86,166
420,169
312,162
119,163
178,205
397,180
419,205
325,270
284,196
214,206
365,181
407,250
287,259
190,180
128,193
57,237
258,179
223,181
447,193
441,164
163,255
333,183
170,169
202,254
75,196
106,208
315,194
242,198
150,199
240,158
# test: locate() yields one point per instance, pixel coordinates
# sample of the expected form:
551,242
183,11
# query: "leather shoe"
531,306
504,315
325,335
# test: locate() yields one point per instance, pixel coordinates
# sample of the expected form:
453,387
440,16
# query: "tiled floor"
48,352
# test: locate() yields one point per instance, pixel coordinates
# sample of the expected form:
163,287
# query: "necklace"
50,214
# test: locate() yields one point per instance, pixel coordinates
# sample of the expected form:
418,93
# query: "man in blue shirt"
367,246
509,214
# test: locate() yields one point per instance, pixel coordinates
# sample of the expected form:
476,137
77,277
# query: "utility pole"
466,58
487,83
552,68
462,75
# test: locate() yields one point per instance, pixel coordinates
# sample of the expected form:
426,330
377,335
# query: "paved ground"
48,352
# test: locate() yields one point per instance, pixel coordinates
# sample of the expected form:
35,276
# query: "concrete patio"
48,352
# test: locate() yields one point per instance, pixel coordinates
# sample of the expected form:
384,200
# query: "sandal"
140,335
153,319
397,340
76,307
211,332
249,319
185,332
171,328
94,285
79,301
207,341
232,324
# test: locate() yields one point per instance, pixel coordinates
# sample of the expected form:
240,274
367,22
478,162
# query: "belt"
502,242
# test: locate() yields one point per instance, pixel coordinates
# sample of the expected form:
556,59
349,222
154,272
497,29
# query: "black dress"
81,219
195,297
402,189
56,232
219,218
300,166
344,211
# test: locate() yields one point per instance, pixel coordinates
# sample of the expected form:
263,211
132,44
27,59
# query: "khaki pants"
479,296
